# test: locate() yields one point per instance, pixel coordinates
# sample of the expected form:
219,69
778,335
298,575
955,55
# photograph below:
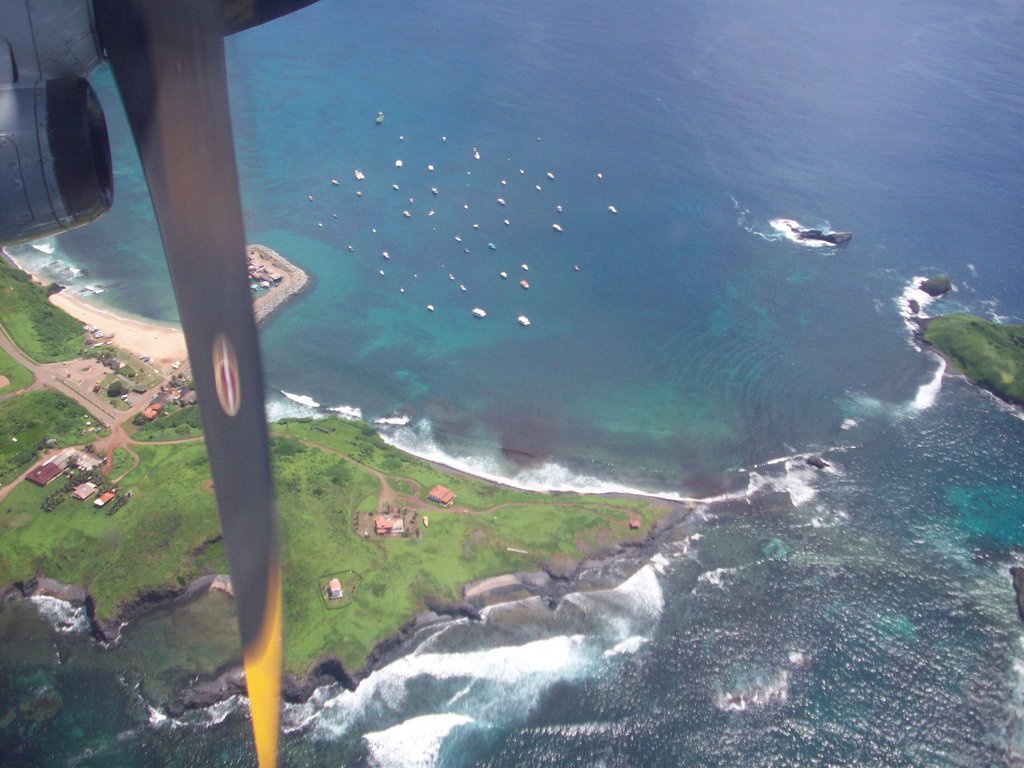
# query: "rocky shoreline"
551,584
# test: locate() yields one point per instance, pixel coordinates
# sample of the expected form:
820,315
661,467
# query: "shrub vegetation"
36,420
45,333
18,377
990,354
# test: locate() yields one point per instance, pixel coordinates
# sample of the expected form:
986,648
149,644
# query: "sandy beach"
165,344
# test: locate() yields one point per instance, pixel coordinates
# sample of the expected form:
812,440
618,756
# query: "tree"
116,388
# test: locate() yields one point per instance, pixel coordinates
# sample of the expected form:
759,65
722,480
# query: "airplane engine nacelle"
55,170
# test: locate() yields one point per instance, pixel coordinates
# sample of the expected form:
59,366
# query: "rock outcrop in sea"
937,286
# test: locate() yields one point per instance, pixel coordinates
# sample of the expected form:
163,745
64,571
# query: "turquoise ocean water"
860,616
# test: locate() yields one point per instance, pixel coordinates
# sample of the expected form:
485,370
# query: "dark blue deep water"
860,616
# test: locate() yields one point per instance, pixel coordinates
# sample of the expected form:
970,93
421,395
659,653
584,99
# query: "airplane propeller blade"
168,62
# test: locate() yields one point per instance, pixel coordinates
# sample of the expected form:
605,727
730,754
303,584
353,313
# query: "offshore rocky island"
990,354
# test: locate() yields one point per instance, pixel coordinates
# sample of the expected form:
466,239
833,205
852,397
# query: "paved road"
60,378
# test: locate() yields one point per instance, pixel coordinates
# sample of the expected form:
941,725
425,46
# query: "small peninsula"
990,354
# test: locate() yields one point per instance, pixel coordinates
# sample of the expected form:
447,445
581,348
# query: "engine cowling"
55,169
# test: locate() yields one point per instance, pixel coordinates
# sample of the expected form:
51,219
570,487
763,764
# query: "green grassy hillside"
34,421
328,479
16,376
42,331
990,354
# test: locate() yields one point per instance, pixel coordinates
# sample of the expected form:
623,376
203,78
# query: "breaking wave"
413,743
64,616
790,229
797,479
279,408
418,440
305,400
928,392
350,412
637,603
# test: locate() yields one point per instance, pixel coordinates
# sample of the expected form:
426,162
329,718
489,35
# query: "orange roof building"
104,498
334,589
441,495
385,524
152,411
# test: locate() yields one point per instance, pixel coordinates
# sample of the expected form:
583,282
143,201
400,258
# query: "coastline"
551,584
165,344
920,331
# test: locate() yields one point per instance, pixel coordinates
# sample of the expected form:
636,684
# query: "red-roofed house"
104,498
383,525
441,495
334,589
43,474
152,411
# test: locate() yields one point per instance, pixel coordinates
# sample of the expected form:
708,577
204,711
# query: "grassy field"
17,376
149,544
42,331
168,535
990,354
36,420
175,423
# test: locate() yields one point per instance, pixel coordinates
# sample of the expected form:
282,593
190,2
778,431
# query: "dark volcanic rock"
1018,586
835,238
915,307
210,692
937,286
463,609
53,588
817,462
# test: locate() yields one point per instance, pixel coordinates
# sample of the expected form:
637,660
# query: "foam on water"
799,476
417,439
350,412
715,577
796,480
912,292
305,400
790,229
282,408
64,616
218,713
636,602
628,646
521,668
392,421
660,563
413,743
756,693
928,392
